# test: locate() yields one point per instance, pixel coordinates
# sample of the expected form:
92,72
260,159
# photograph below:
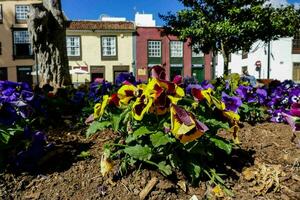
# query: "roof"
99,25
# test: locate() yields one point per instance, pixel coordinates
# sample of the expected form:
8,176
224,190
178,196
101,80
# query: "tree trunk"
226,64
46,26
225,54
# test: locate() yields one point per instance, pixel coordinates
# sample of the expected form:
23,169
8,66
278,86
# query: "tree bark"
225,54
46,27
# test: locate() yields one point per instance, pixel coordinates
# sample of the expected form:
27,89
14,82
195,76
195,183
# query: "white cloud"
278,3
297,5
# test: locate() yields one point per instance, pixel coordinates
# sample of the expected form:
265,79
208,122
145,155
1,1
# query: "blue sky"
92,9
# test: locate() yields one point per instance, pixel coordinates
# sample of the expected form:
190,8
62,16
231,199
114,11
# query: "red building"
155,48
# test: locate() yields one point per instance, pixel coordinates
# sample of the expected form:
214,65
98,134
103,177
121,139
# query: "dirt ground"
266,167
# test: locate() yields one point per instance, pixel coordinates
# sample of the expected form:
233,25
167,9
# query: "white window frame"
196,55
21,37
22,11
109,46
154,48
176,48
73,46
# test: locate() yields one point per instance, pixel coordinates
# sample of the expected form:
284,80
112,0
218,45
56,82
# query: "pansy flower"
276,116
126,93
189,88
158,72
231,103
141,106
201,94
178,80
184,125
206,84
294,95
99,108
125,78
293,121
295,109
261,94
164,93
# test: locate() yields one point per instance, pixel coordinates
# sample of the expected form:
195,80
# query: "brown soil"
266,167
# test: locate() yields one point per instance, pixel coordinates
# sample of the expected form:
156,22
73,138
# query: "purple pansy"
189,88
206,84
262,95
125,78
231,103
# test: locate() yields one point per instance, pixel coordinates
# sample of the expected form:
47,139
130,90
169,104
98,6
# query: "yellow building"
102,48
16,56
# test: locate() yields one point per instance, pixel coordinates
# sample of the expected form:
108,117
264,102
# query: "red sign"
258,63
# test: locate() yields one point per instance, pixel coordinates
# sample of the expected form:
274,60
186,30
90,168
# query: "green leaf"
97,126
130,138
160,139
116,119
245,107
193,170
4,137
164,168
224,145
139,152
141,131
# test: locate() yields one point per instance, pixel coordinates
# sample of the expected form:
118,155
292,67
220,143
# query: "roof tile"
99,25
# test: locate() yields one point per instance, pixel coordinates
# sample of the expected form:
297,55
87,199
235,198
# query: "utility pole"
269,59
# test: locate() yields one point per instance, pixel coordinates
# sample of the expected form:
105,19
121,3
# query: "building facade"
153,47
284,60
102,48
16,56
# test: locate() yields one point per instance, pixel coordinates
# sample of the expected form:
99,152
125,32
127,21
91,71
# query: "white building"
284,60
144,20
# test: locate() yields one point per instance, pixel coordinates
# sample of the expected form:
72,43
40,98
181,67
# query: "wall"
154,33
6,59
280,65
91,52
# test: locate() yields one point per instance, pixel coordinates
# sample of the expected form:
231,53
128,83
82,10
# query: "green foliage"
253,113
161,139
230,26
222,144
176,133
97,126
138,152
228,84
7,133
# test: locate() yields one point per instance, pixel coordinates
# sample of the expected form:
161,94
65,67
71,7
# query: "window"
154,49
296,43
244,54
73,46
22,46
21,12
1,14
109,46
196,52
3,73
24,74
296,72
97,72
176,49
